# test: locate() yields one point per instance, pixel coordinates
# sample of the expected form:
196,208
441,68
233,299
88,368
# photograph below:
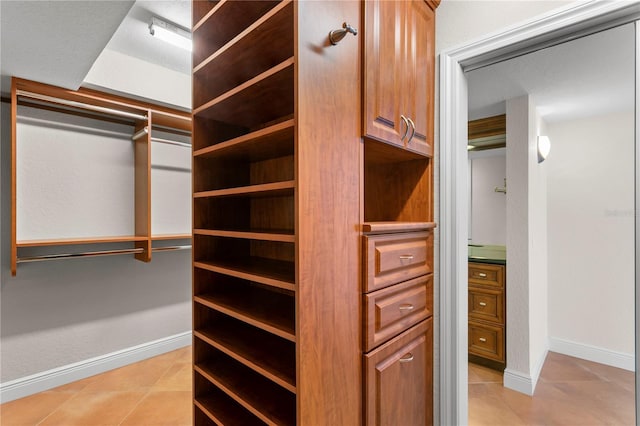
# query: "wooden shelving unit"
142,117
269,252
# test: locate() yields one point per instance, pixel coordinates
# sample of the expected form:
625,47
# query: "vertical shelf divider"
14,189
142,161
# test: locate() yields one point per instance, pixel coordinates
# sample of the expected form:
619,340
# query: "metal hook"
336,35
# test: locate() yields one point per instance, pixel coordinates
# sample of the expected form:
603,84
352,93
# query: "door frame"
558,26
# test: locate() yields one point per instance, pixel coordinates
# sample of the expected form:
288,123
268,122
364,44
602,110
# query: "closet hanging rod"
80,105
170,142
145,130
41,258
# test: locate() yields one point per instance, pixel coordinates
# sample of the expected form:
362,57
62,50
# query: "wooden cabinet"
286,192
398,73
399,379
276,214
487,314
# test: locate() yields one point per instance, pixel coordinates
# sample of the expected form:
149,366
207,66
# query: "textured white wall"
488,208
538,279
527,331
518,247
591,227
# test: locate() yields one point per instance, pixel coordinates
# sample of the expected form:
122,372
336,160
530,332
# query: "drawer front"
486,341
393,258
394,309
486,274
485,304
399,379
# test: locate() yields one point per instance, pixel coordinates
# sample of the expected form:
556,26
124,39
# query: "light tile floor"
156,391
570,391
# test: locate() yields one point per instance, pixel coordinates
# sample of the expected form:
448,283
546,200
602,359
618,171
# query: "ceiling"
57,42
590,76
132,37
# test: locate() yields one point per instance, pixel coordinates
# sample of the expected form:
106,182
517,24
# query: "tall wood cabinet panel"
276,213
397,264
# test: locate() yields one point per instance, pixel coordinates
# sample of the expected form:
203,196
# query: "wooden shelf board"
380,152
265,98
270,142
84,240
269,402
223,411
266,311
236,62
391,226
276,273
162,237
284,236
264,356
265,189
247,36
172,120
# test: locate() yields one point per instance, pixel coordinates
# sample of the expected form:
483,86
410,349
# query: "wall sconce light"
170,33
544,146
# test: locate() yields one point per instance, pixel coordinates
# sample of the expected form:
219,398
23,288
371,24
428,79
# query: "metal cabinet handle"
482,274
407,358
405,120
406,256
413,129
336,35
482,339
406,307
482,303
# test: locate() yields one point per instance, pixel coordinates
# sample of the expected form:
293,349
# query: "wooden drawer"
399,379
486,341
392,310
486,274
393,258
486,304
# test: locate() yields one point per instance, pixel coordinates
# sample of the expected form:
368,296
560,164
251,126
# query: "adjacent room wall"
488,207
591,238
527,341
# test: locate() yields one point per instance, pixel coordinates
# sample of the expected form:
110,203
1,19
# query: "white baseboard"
593,353
522,382
518,381
50,379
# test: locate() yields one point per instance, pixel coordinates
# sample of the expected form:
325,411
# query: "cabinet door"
383,70
419,75
399,379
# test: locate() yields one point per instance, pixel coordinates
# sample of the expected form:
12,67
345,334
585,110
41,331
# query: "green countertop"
488,254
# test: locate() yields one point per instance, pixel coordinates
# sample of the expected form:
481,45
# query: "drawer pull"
406,307
407,358
482,303
482,339
482,275
406,256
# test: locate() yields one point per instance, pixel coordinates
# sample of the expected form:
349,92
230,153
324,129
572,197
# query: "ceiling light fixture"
171,33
